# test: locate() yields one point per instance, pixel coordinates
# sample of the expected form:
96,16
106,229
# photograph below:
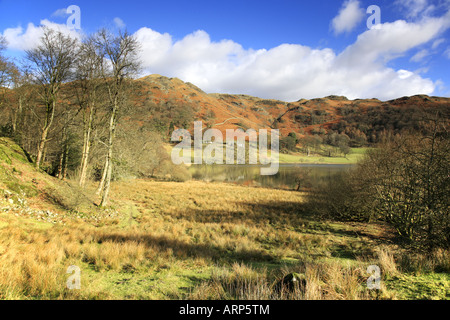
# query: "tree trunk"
44,135
66,162
86,149
41,147
112,129
102,181
60,166
107,187
17,116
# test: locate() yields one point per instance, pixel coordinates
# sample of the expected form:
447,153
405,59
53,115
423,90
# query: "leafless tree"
23,115
90,96
409,178
51,65
8,71
121,53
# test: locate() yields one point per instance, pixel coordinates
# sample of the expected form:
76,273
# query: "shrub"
341,198
409,178
405,182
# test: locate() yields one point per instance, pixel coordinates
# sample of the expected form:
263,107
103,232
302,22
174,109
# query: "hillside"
187,103
28,192
163,104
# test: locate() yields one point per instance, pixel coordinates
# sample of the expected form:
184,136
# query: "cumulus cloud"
350,15
287,72
290,71
25,39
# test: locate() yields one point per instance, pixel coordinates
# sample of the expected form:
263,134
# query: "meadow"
196,240
296,157
355,155
192,240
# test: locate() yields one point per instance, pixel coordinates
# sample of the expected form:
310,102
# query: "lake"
289,176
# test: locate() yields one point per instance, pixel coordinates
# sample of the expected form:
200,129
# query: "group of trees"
64,103
8,72
357,124
289,143
330,145
405,182
327,145
371,124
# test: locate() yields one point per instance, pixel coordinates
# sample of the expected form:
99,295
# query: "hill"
28,192
172,101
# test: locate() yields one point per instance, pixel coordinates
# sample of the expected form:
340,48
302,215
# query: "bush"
289,143
409,178
180,174
405,182
341,198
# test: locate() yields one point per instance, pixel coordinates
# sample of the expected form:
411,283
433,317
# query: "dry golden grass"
190,240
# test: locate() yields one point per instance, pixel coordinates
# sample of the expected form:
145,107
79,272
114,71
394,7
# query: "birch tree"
121,53
90,96
51,64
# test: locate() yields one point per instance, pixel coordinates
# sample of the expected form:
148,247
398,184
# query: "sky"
283,49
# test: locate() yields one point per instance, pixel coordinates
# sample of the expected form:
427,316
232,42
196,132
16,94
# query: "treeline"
372,124
70,106
405,182
359,125
326,145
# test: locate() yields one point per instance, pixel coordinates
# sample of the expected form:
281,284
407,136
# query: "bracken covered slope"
157,93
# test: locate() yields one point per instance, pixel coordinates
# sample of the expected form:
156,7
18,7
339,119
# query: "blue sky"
283,49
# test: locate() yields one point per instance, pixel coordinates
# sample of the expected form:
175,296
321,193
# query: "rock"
291,282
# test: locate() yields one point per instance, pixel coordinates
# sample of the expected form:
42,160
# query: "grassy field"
204,241
192,240
353,157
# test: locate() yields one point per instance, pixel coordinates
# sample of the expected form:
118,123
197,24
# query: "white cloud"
437,43
287,72
394,39
290,72
419,56
447,53
422,70
61,13
405,74
415,8
25,39
350,15
119,23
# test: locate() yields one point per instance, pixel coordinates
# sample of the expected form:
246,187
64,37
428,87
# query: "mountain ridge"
232,111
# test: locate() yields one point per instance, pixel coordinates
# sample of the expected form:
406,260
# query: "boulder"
292,282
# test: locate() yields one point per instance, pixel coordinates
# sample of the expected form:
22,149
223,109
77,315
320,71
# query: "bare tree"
90,96
51,64
23,117
121,53
409,179
8,71
3,43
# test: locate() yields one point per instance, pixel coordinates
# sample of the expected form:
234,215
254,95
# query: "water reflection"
289,176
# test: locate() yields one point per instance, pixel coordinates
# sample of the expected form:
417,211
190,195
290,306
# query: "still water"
289,176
